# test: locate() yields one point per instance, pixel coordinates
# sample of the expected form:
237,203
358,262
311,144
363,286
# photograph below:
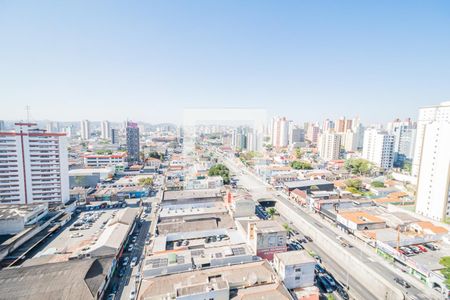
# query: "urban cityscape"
218,200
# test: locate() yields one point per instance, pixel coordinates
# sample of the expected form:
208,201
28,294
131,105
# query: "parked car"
125,261
402,282
133,261
415,249
422,248
132,295
308,238
130,248
341,291
111,296
134,239
319,269
431,246
122,272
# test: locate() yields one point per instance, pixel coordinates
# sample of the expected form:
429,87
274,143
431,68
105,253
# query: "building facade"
105,129
378,148
33,166
133,142
329,146
280,127
432,155
85,129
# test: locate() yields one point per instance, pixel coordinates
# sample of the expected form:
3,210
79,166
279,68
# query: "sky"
150,60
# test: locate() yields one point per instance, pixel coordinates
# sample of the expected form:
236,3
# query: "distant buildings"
85,129
432,161
105,129
2,125
133,146
404,133
313,132
36,168
329,146
295,134
279,126
115,136
378,148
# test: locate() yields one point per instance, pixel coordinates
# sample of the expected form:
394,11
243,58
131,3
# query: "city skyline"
151,61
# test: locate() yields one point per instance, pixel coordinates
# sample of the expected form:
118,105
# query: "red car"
422,248
401,251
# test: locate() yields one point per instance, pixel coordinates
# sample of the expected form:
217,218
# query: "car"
308,238
319,269
137,277
415,249
178,243
133,295
402,282
125,261
133,261
341,291
431,246
318,258
134,239
130,248
122,272
111,296
422,248
186,242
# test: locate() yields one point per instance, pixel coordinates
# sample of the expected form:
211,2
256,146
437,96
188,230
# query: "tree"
445,261
407,166
354,186
288,229
358,166
301,165
146,181
377,184
220,170
157,155
298,153
271,212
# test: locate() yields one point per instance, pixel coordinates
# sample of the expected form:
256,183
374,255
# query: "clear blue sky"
147,60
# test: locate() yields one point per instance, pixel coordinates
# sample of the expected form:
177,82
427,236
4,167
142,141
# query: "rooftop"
75,279
14,211
306,183
191,194
295,257
360,217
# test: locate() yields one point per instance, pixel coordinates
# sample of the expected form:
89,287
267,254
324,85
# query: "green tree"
157,155
298,153
445,261
407,166
301,165
377,184
354,186
146,181
358,166
288,229
220,170
271,212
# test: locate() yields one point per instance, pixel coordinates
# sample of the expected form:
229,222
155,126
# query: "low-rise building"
359,220
14,217
295,268
103,160
308,185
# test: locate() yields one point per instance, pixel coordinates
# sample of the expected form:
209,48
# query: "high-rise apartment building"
432,160
85,129
378,148
295,134
114,136
105,130
33,166
280,127
2,125
313,132
329,146
133,146
404,133
343,124
328,125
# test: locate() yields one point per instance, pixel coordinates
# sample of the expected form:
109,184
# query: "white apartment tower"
85,130
33,166
432,161
378,147
105,130
280,128
329,146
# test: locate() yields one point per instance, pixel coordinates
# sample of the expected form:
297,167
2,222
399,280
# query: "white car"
133,261
133,295
125,261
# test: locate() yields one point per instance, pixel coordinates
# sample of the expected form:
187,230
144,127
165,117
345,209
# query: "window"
298,270
297,278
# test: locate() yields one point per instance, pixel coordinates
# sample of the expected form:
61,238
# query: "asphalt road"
259,190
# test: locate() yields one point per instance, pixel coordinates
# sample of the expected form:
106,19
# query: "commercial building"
295,134
378,148
243,281
432,160
85,129
308,185
329,146
265,237
133,145
295,268
105,130
312,133
34,166
70,280
103,160
359,220
14,218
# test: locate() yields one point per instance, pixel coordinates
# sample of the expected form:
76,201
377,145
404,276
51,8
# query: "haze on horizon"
149,61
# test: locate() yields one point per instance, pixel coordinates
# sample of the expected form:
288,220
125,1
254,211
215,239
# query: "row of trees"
301,165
